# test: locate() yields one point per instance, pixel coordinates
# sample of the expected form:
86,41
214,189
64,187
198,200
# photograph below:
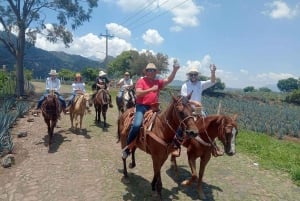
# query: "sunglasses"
194,75
150,70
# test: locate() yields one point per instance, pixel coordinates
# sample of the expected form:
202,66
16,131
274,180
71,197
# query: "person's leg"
135,127
40,101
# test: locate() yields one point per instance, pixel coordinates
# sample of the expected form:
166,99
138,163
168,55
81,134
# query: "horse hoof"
132,165
125,180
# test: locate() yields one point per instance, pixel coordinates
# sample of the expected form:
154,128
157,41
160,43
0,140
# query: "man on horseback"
147,93
52,83
102,82
78,87
193,84
124,83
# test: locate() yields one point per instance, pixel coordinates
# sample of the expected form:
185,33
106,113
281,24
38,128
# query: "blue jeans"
140,110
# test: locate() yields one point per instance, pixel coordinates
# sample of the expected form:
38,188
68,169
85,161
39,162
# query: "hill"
41,61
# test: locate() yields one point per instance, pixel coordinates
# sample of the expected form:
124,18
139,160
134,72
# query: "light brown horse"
77,109
51,112
156,135
213,126
101,102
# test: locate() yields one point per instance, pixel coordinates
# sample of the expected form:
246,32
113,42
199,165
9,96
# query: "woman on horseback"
78,87
147,92
102,82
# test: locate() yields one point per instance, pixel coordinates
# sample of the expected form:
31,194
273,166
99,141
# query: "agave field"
260,113
10,111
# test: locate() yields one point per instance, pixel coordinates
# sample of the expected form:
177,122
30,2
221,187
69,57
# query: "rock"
8,161
22,134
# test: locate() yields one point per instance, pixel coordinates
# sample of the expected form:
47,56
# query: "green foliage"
249,89
66,74
294,97
135,63
271,153
264,89
90,74
288,85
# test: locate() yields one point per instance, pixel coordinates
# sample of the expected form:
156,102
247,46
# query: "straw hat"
77,75
151,66
193,70
53,72
126,73
102,73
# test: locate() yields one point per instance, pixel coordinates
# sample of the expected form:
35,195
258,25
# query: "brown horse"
77,109
213,126
51,112
101,102
126,101
157,134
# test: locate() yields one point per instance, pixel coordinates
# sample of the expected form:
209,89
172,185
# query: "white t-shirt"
197,88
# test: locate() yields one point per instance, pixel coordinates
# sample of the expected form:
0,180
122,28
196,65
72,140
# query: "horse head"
227,133
184,112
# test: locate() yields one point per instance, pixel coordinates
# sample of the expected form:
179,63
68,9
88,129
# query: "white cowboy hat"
126,73
151,66
102,73
193,70
53,72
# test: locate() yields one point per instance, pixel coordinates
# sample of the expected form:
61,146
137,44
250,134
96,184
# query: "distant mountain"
41,61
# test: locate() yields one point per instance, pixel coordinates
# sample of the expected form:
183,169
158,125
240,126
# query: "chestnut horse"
156,137
77,109
213,126
51,112
127,100
101,102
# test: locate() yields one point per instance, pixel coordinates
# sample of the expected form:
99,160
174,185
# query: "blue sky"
253,43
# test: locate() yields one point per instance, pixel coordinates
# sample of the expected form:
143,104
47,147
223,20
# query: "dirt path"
87,166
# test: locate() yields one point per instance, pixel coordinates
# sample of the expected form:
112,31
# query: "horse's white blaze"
233,132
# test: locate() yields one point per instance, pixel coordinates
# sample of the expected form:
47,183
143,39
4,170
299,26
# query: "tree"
288,85
27,18
264,89
249,89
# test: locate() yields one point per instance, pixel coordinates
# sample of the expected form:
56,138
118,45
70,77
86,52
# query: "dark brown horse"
126,101
51,112
213,126
101,102
157,133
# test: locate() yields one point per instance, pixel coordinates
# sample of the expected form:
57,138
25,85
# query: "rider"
147,92
193,84
52,83
102,82
78,87
124,83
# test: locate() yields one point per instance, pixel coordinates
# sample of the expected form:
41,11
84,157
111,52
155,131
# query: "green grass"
271,153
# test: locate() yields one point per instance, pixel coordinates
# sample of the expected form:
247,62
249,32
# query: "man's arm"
171,76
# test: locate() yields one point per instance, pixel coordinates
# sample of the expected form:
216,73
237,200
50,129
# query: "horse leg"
71,118
156,183
192,164
203,162
49,131
80,120
132,164
174,164
125,173
76,120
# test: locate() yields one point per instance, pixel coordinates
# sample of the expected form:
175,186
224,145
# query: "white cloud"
243,71
152,36
184,13
89,45
280,9
118,31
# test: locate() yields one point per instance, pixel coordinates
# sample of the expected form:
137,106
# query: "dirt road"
87,166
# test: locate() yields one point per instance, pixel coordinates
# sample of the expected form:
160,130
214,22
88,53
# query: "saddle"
146,128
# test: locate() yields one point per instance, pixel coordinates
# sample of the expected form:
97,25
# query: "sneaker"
125,153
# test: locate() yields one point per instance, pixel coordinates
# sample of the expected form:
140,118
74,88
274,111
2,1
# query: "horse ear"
172,95
235,117
189,95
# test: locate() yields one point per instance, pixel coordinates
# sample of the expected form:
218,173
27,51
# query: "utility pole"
107,35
